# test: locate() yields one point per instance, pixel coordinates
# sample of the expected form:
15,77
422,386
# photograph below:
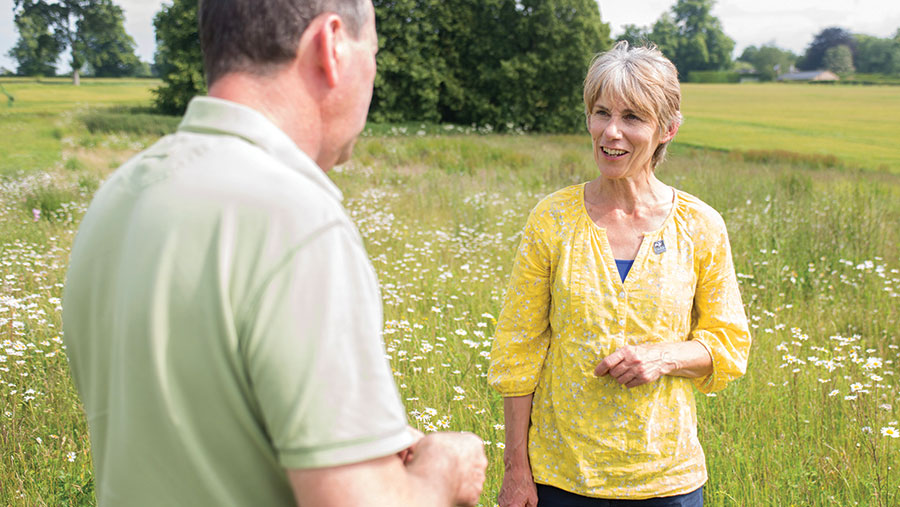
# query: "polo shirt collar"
212,115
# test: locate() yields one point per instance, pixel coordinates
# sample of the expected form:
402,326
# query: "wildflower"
501,445
70,457
890,431
873,363
36,213
856,387
833,393
866,429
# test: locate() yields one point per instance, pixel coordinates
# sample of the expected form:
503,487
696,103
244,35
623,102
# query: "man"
222,320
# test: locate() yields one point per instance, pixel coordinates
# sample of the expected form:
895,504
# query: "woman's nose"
612,129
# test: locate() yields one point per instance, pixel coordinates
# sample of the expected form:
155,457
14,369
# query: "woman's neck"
629,195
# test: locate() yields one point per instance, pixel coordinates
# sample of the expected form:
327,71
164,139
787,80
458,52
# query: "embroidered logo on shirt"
659,247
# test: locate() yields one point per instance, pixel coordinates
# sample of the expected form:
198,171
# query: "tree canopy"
814,56
768,61
448,62
689,35
875,55
92,30
107,49
838,59
179,61
443,61
37,49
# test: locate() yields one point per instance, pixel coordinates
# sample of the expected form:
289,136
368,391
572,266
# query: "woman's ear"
670,133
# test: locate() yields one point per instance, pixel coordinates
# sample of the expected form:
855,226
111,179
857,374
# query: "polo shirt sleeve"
315,356
522,336
718,318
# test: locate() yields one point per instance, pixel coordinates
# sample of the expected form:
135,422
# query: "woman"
623,297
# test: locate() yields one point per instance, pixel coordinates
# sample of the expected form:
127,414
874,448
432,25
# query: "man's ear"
330,45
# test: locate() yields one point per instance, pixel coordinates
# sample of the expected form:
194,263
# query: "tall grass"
816,248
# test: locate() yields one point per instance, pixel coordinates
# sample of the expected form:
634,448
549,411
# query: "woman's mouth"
612,152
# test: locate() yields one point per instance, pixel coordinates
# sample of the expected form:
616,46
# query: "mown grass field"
857,125
814,421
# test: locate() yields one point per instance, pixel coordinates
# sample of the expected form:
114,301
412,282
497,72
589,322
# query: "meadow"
817,251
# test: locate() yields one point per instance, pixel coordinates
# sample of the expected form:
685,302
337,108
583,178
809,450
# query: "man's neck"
291,110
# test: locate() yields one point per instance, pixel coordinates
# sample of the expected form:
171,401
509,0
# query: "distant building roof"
812,75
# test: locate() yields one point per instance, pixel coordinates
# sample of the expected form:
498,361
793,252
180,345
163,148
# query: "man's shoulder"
229,171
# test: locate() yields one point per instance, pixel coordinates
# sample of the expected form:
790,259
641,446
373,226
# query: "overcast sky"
790,24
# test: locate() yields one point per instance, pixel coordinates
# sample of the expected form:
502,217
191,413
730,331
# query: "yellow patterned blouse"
566,309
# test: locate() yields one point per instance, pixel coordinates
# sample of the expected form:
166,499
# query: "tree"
635,35
768,61
702,44
838,59
410,71
814,57
178,58
447,61
37,49
875,55
107,49
82,27
689,35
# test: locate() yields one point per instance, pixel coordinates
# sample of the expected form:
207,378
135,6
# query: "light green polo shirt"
223,322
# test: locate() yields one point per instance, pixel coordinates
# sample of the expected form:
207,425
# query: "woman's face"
623,138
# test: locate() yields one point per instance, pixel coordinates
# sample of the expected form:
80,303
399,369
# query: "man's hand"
635,365
466,449
406,454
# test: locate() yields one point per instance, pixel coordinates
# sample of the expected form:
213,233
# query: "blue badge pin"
659,246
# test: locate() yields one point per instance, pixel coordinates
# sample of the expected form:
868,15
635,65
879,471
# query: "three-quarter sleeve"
718,319
522,336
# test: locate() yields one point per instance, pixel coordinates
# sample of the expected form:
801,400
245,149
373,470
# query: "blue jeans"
548,496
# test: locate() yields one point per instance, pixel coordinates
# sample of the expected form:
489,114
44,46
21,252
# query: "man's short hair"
258,36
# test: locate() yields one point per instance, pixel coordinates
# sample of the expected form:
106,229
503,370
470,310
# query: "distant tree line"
504,63
91,30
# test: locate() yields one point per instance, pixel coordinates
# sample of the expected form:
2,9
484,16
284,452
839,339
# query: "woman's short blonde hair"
641,77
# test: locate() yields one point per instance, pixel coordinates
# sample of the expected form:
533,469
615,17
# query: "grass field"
859,125
814,421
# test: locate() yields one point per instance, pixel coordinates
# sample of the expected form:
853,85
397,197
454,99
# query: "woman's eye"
632,117
601,113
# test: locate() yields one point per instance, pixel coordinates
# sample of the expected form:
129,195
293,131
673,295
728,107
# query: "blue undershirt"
623,267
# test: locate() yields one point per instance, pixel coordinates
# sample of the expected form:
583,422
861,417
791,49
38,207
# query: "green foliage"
49,202
129,123
410,71
713,76
875,55
91,29
689,35
814,58
768,61
36,50
449,62
838,59
179,61
108,50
